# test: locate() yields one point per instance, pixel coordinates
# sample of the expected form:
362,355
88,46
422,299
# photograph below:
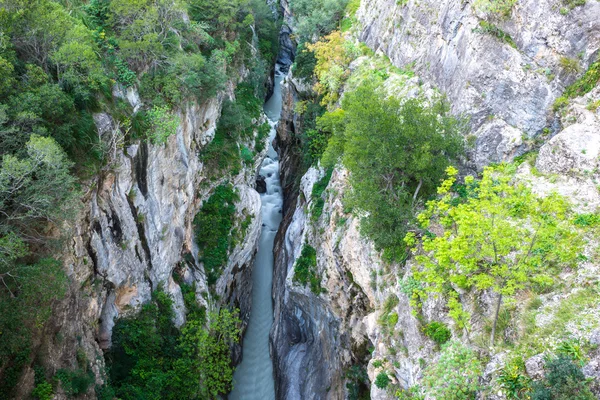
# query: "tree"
495,235
315,18
396,152
37,188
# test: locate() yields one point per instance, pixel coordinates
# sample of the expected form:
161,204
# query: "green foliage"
43,391
570,65
261,136
151,359
357,378
571,4
572,349
75,382
315,18
304,63
581,86
237,123
563,381
388,183
333,55
497,8
305,269
213,225
162,124
382,380
491,29
455,375
438,332
513,380
317,195
502,238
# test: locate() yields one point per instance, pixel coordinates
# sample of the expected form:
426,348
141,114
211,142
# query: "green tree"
498,236
315,18
396,152
37,188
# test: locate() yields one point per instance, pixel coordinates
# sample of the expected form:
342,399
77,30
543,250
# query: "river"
253,378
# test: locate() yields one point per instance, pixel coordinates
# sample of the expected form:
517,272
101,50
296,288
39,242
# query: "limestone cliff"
135,229
507,89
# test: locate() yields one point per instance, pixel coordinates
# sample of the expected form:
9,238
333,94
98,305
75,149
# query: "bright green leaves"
315,18
162,124
496,235
36,187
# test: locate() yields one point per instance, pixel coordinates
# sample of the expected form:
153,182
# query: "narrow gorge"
300,199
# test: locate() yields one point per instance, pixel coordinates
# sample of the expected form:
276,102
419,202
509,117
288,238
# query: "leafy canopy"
396,152
495,234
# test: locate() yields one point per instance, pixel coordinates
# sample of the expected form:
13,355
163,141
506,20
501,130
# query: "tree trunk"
496,320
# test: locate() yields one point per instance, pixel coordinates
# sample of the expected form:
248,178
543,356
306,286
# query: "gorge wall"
506,89
135,230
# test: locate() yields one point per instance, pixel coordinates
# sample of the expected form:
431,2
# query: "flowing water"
253,379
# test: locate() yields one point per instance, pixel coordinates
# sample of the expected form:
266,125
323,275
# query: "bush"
75,382
305,269
498,8
456,374
382,380
563,381
514,381
304,63
43,391
163,124
438,332
152,359
317,195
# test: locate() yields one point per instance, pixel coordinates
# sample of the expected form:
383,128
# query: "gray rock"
261,184
482,76
535,366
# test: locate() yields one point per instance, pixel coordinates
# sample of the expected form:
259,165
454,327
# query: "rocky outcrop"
505,88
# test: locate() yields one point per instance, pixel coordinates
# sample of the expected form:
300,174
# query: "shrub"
491,29
455,376
43,391
438,332
382,380
513,380
570,65
75,382
563,381
498,8
304,63
305,269
151,359
317,195
163,124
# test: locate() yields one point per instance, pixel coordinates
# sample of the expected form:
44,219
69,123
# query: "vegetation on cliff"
61,62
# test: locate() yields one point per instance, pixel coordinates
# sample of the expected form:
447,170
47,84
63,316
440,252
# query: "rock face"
136,228
506,91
